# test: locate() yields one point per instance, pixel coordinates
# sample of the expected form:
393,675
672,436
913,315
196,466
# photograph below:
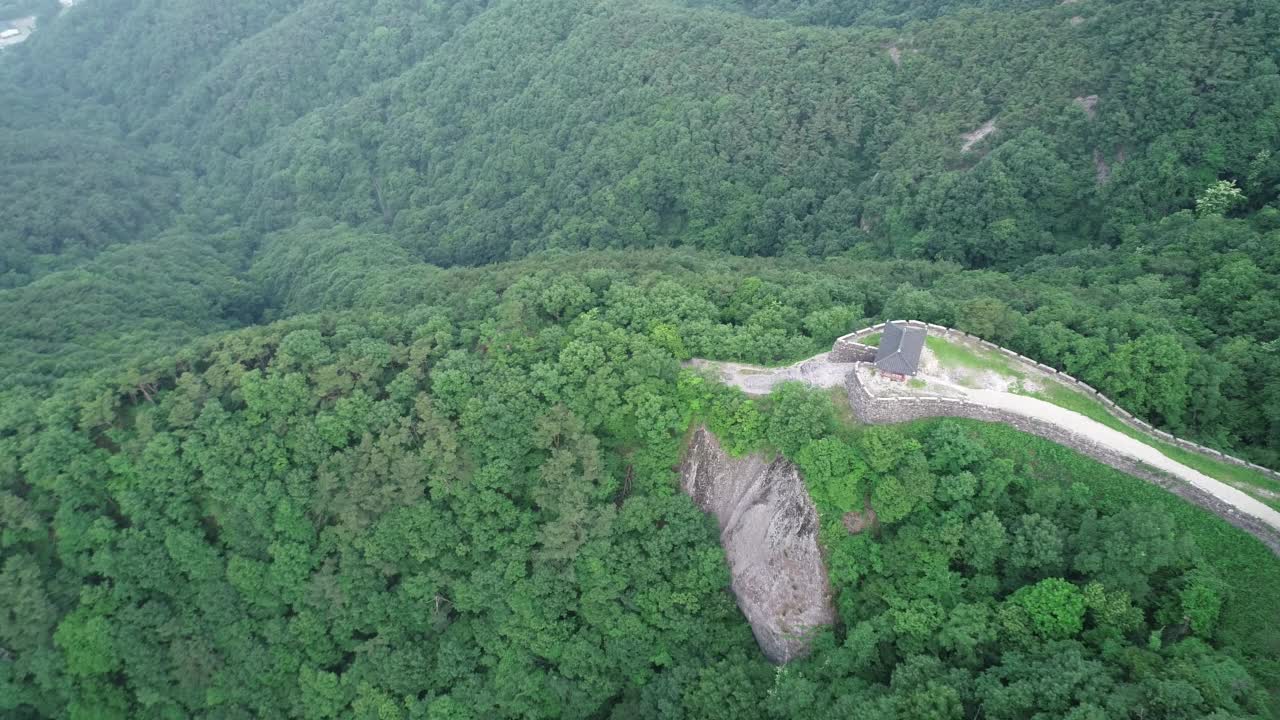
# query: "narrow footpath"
1115,440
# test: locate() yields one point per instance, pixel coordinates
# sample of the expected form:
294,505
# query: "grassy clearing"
956,355
872,340
1240,476
844,411
1262,486
1247,566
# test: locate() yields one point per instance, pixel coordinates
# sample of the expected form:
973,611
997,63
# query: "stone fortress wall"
889,410
877,410
848,348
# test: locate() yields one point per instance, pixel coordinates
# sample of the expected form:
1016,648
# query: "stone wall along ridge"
850,346
892,410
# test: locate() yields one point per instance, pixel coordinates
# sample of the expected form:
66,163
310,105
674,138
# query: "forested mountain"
574,124
465,134
73,194
341,343
888,13
584,130
456,501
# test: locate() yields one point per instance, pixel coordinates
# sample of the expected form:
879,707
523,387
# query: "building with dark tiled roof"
899,351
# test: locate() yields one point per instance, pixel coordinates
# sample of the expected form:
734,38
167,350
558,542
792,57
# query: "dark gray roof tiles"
899,350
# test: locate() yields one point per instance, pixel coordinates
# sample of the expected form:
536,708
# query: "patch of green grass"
950,354
844,411
917,383
872,340
1226,472
1234,475
1065,397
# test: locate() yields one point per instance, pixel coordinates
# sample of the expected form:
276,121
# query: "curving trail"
1119,442
819,371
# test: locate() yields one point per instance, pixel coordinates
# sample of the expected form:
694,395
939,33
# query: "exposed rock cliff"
769,530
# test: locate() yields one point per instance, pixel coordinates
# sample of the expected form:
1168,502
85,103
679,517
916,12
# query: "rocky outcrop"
1102,167
1089,103
855,522
975,137
769,531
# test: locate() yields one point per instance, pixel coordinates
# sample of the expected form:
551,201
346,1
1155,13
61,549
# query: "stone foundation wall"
1116,411
850,351
882,411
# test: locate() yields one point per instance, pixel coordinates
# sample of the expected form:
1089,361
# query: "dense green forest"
341,343
889,13
467,510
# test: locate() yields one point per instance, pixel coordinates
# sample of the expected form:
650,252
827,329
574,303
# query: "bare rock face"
1089,103
975,137
769,531
855,522
1102,167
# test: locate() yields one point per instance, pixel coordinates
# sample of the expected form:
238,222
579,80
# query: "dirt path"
1115,440
818,371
